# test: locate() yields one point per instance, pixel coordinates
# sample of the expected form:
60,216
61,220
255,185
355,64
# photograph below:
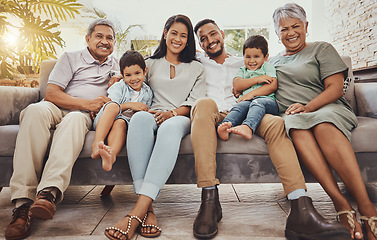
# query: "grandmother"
317,117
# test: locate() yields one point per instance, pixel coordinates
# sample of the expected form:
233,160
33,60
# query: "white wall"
152,15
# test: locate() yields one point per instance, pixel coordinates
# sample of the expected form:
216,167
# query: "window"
235,38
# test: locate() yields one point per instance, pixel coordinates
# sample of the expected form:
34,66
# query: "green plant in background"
144,45
235,38
34,24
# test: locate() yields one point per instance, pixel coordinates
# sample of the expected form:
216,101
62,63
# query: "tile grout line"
239,200
91,190
99,222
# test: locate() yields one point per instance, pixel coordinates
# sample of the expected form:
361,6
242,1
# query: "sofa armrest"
13,101
366,99
45,70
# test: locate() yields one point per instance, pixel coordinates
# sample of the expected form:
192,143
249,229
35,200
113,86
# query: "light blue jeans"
251,112
152,150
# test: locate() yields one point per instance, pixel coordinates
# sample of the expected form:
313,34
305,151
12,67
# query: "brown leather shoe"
210,213
304,222
43,207
19,226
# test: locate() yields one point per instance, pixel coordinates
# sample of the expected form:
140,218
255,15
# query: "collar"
230,60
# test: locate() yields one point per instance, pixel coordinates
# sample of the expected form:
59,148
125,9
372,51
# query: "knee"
203,106
112,107
78,118
142,118
256,103
120,124
35,111
272,127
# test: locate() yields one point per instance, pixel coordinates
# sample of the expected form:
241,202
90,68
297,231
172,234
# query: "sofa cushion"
364,135
13,101
366,94
235,144
363,138
8,137
46,68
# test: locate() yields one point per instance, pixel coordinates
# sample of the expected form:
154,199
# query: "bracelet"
174,113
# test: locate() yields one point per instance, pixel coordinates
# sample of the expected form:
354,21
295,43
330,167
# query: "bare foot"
106,153
222,130
242,130
95,151
122,225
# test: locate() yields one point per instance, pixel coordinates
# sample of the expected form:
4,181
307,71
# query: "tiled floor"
250,211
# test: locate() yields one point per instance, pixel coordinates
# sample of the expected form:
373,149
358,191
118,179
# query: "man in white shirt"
220,69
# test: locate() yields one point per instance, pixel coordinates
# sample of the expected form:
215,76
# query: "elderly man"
76,89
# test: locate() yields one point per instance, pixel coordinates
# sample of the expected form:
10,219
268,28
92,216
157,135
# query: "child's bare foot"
222,130
107,156
242,130
95,151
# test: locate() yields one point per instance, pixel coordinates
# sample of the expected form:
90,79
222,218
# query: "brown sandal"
143,225
107,234
371,223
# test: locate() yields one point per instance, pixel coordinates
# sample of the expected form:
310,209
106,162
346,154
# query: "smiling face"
254,58
211,39
176,39
101,42
292,33
134,76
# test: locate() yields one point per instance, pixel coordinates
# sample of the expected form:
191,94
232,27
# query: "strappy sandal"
143,225
107,234
350,218
371,223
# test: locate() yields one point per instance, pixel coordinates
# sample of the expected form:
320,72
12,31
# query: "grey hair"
100,21
289,10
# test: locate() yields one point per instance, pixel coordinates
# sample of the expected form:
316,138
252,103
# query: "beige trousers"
205,115
31,145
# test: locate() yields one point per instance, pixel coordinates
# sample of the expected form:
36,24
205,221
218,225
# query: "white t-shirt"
128,113
219,79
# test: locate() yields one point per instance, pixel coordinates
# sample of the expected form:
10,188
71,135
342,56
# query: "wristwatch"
174,113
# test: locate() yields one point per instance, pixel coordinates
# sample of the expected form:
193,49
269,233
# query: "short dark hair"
189,52
130,58
204,22
256,41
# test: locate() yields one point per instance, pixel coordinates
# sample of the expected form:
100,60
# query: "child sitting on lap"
244,118
127,96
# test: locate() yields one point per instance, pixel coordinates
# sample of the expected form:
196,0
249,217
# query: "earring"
279,41
307,34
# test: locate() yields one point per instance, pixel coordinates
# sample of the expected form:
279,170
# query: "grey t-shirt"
82,76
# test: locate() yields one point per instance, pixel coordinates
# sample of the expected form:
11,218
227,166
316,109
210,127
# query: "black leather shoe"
43,207
210,213
304,222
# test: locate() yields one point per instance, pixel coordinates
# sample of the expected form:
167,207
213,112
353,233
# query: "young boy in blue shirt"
127,96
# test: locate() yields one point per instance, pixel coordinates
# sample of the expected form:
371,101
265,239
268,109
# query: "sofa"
238,160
